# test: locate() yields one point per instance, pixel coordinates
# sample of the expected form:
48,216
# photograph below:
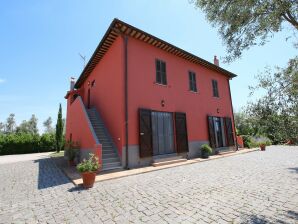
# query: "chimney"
216,61
72,83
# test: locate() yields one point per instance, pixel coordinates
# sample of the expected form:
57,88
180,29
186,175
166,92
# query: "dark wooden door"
212,139
229,131
145,135
88,99
181,132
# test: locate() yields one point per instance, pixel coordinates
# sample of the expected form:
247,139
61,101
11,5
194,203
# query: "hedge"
26,143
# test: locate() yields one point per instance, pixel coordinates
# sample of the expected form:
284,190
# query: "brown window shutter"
229,131
145,135
211,132
181,132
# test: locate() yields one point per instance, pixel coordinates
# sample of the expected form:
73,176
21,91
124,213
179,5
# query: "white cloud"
2,80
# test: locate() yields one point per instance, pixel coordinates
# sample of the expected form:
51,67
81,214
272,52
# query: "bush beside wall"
26,143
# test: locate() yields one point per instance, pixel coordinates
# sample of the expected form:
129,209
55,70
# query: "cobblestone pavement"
257,187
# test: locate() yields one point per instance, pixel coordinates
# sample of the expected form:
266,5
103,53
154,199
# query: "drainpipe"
235,140
126,99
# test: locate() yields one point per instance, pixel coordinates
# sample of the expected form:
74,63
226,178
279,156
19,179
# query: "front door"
162,133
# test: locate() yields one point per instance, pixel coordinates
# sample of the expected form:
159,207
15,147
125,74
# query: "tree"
246,125
32,125
2,127
246,23
29,127
10,124
59,130
277,110
48,125
23,127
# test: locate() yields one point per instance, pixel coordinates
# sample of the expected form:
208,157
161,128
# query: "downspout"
126,99
235,140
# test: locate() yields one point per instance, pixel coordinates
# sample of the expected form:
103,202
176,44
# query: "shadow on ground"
49,175
259,219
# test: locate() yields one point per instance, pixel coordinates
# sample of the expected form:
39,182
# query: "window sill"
195,92
159,84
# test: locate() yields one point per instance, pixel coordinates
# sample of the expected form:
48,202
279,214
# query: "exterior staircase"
110,157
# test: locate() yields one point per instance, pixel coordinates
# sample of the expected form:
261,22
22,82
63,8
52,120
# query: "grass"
57,154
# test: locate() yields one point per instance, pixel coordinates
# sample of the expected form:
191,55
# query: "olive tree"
245,23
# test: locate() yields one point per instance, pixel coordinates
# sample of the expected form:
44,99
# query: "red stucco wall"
77,125
107,93
143,92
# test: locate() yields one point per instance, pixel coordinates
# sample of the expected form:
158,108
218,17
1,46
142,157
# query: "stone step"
105,146
109,166
168,162
110,160
163,158
109,154
106,151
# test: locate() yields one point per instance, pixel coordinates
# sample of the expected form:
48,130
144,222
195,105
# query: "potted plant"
206,151
88,169
263,146
71,151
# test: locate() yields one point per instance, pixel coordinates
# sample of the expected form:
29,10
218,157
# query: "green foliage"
48,125
47,142
2,127
246,23
245,125
19,143
253,142
28,126
89,165
276,112
10,124
59,131
71,149
206,149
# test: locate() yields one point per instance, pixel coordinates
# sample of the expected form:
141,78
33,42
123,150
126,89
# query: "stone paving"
257,187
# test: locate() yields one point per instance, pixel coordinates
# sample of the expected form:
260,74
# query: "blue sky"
40,42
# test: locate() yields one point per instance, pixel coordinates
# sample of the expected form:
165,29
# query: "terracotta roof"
119,27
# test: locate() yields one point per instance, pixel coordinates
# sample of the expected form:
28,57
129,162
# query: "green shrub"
206,150
21,143
47,142
89,165
255,141
247,141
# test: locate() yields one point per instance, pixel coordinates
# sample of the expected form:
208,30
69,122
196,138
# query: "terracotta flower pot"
88,179
263,147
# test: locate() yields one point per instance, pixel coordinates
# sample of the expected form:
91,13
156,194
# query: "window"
161,76
192,81
215,88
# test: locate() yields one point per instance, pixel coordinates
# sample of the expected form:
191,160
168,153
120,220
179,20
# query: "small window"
215,88
161,76
192,81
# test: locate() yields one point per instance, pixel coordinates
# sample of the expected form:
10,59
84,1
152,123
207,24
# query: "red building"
140,98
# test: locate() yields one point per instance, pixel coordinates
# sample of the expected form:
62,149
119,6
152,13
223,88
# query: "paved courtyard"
257,187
